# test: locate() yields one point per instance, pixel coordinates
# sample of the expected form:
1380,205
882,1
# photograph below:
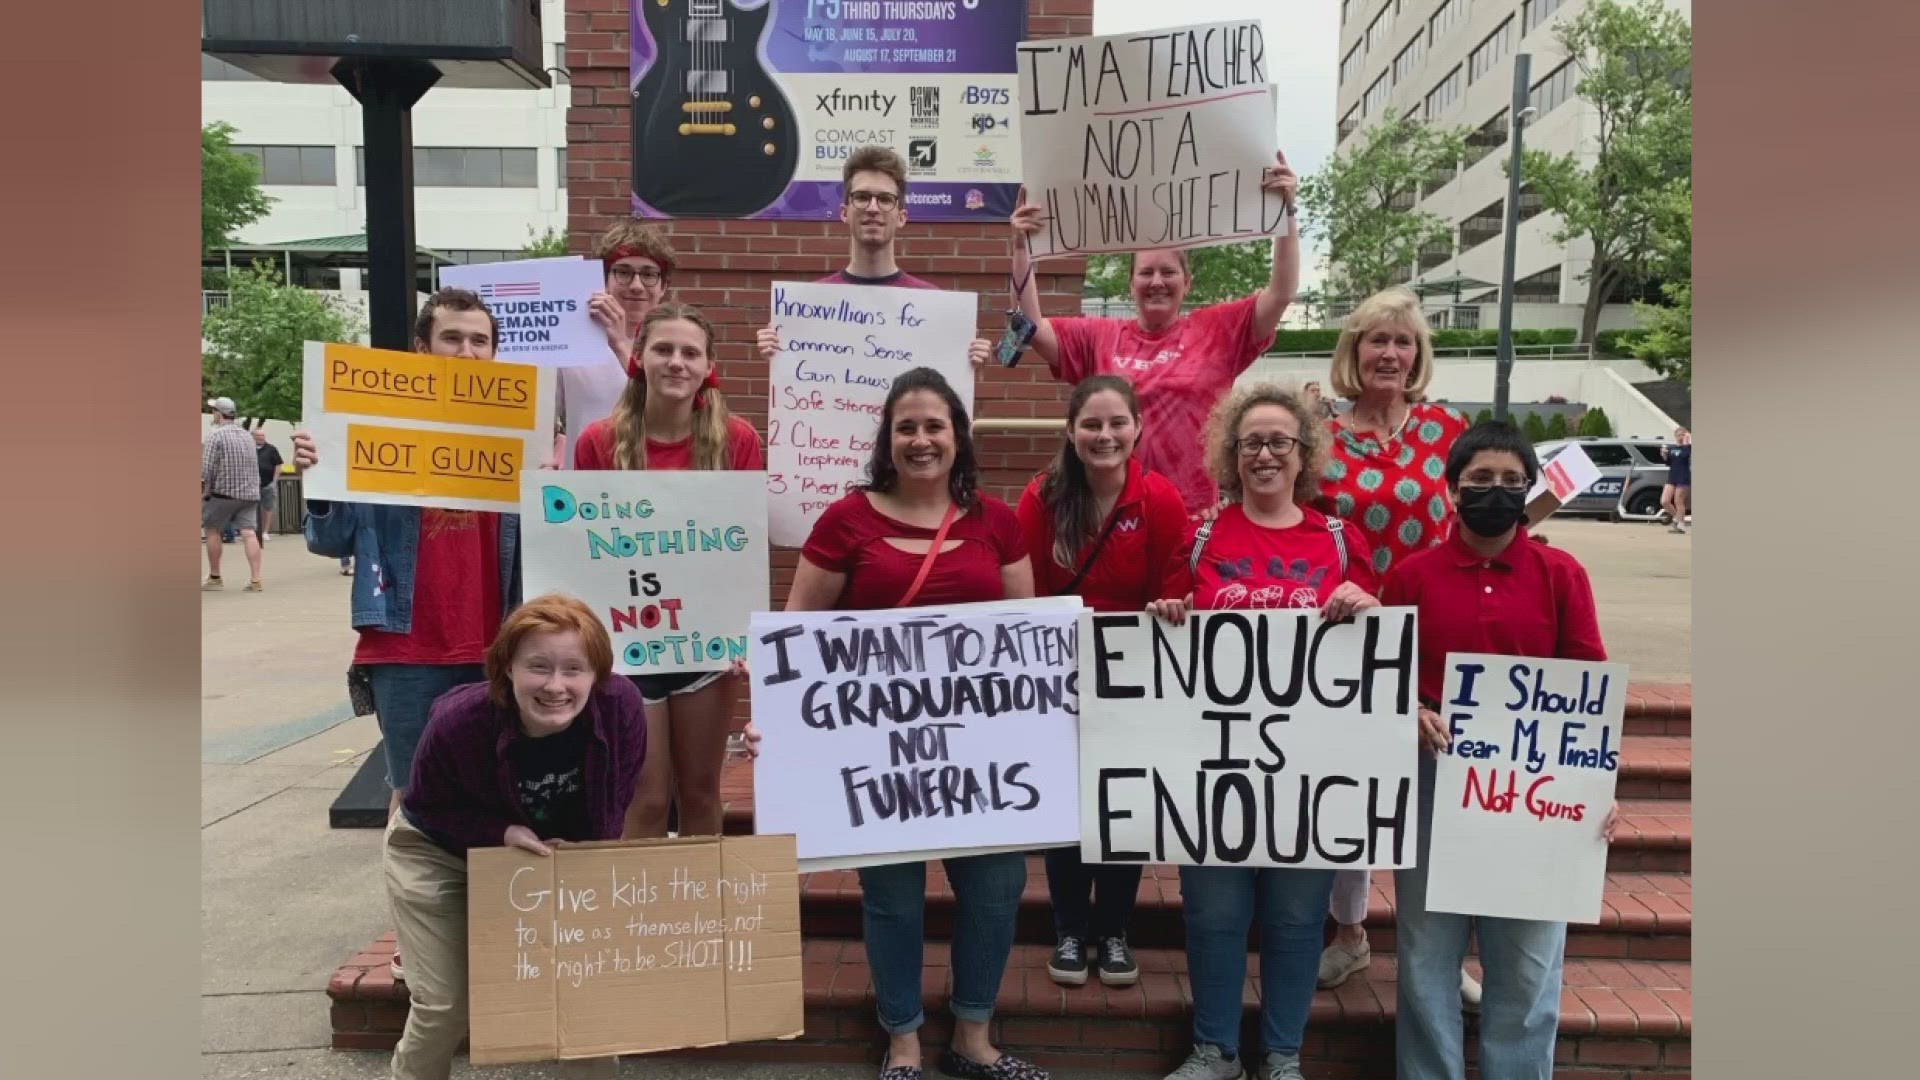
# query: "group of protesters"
504,722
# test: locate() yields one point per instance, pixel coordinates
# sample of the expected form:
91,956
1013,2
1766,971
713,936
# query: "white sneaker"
1205,1063
1283,1066
1339,962
1469,992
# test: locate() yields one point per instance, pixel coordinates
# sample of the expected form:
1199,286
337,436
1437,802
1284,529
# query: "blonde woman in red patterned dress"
1386,475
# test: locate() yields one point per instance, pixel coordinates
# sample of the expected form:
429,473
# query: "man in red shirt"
1488,588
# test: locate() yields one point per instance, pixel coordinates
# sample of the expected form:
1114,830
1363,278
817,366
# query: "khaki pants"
427,889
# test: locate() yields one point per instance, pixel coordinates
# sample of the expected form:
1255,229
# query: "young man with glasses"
639,268
873,205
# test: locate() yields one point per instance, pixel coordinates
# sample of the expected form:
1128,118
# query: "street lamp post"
1516,119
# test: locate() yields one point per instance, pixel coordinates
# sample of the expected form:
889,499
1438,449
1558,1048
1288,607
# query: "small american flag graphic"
505,290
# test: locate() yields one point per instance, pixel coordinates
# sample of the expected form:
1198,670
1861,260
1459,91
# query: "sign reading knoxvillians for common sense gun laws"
1156,140
674,563
411,429
1249,738
1521,796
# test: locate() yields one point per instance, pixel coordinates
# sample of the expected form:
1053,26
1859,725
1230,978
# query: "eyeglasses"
885,200
1479,484
625,275
1281,445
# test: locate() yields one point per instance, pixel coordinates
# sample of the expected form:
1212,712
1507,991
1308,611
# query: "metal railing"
1579,350
210,299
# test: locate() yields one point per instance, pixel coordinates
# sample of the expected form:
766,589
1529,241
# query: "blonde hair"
711,417
1223,435
1396,305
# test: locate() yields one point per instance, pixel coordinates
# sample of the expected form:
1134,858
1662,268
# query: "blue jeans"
1520,984
403,696
893,903
1220,903
1090,900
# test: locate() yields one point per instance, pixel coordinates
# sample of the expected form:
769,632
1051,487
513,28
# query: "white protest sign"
541,305
1249,738
1159,140
889,736
1521,796
673,562
411,429
841,347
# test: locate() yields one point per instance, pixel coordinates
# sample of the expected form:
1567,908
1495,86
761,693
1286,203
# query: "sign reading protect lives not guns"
411,429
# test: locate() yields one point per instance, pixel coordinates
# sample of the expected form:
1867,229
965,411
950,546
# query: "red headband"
628,251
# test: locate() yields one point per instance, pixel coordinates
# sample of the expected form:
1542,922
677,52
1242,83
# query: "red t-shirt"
1529,600
456,594
1245,565
899,279
1179,373
851,538
1395,490
744,452
1148,521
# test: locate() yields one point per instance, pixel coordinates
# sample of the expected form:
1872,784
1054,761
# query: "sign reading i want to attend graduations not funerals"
1249,738
674,562
630,947
1521,796
902,733
541,306
751,110
411,429
841,347
1157,140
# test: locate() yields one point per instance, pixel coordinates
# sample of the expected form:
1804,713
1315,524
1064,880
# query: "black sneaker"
1068,964
1117,967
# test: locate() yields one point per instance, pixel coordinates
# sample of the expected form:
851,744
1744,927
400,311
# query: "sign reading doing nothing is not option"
1249,738
412,429
674,562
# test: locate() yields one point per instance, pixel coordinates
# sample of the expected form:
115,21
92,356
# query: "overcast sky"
1302,37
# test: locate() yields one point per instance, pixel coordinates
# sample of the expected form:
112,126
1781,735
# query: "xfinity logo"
873,101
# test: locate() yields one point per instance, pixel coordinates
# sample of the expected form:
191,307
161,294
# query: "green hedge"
1322,341
1618,342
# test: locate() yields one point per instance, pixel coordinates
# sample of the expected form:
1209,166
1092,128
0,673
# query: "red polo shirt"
1149,520
1529,600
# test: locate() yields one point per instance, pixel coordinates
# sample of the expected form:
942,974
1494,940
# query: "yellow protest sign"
413,461
415,386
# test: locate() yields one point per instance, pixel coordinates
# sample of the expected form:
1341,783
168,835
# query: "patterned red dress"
1394,490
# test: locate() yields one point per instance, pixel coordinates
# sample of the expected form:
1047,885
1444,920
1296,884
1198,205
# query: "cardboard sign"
541,306
673,562
1563,476
411,429
1249,738
1521,796
841,347
631,947
887,736
1162,140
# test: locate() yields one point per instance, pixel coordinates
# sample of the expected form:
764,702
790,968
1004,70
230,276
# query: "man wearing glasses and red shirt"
639,266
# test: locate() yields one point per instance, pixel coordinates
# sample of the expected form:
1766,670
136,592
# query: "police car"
1635,467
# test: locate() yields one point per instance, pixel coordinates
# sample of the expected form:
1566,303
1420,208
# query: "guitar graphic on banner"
713,135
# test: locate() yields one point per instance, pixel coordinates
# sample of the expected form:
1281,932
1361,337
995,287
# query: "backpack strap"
1199,545
1335,526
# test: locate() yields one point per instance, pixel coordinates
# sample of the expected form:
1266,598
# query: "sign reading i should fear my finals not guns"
410,429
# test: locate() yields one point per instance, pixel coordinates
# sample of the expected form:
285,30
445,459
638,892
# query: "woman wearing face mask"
1266,549
547,748
1486,589
1385,473
1181,364
920,533
1101,527
673,416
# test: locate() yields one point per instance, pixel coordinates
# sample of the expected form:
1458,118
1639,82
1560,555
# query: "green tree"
1635,67
1594,422
253,343
1668,345
1485,416
230,195
1557,426
1227,272
1362,202
1533,428
548,245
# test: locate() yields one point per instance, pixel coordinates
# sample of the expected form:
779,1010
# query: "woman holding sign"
1180,363
1101,527
548,748
1486,589
673,416
1266,549
921,533
1385,473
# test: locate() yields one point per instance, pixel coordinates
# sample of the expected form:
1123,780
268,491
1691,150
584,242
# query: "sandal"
955,1064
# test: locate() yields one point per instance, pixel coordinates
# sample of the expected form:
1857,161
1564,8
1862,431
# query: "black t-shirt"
270,461
550,774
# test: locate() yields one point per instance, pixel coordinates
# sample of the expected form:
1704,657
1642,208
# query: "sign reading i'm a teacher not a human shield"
673,562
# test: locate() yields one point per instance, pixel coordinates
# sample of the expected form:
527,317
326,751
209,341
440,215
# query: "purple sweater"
462,793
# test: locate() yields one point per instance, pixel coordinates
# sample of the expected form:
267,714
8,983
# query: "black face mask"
1492,511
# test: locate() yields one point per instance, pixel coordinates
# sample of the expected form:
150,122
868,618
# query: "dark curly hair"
963,482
